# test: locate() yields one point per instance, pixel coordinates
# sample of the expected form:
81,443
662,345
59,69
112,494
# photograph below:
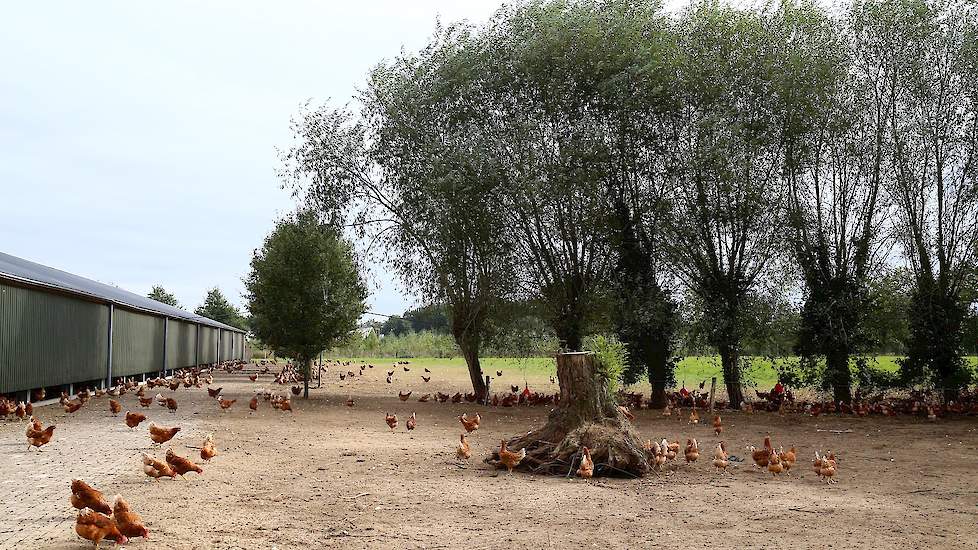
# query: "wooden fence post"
713,388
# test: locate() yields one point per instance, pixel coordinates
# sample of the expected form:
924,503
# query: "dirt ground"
335,477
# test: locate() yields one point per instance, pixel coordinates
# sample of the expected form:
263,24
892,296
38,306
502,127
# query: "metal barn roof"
19,269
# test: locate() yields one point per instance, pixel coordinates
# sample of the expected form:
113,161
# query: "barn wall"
208,345
227,344
49,339
181,339
137,343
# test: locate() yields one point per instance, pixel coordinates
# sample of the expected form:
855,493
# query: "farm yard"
335,476
539,274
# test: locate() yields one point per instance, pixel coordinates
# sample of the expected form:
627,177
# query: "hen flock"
99,520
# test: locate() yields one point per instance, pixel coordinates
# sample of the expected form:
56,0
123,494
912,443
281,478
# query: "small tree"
305,289
371,342
218,308
160,294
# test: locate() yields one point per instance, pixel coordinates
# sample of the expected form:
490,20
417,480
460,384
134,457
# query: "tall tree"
305,289
725,225
550,128
414,171
833,176
558,123
218,308
922,54
160,294
636,109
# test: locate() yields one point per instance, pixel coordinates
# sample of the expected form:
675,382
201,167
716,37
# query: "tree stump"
587,415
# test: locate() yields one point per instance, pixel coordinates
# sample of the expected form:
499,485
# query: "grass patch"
758,372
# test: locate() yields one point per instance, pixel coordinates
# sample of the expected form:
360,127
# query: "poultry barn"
59,331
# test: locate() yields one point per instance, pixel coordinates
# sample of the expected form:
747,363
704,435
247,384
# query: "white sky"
137,139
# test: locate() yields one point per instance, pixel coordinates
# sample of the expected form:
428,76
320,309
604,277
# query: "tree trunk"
587,415
837,369
475,372
305,379
657,359
469,343
730,360
657,399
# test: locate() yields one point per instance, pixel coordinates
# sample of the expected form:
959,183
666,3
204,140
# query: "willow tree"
305,289
725,218
923,56
550,61
833,129
562,72
409,174
636,109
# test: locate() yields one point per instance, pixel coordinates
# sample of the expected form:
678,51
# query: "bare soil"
335,477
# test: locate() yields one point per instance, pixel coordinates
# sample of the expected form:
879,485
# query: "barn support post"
166,334
197,347
220,340
108,363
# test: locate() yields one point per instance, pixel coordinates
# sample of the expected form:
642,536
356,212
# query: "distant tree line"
215,306
677,177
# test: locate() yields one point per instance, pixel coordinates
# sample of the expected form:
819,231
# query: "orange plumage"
40,438
470,424
84,495
586,470
128,522
207,450
156,468
160,434
133,419
180,464
96,527
508,458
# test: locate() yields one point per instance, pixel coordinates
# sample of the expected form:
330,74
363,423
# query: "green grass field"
691,371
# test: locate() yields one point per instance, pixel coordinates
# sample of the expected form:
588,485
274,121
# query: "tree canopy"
160,294
305,289
786,177
218,308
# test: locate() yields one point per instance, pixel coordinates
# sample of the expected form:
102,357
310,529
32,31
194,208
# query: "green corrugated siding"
208,345
47,339
227,344
137,343
181,337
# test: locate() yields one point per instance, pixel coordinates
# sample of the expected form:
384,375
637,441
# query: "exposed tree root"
586,416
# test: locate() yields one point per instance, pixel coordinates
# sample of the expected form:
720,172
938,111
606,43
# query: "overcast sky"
137,140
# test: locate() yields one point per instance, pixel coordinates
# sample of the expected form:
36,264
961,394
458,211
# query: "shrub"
611,356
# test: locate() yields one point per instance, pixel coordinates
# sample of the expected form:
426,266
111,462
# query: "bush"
870,377
409,344
611,356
